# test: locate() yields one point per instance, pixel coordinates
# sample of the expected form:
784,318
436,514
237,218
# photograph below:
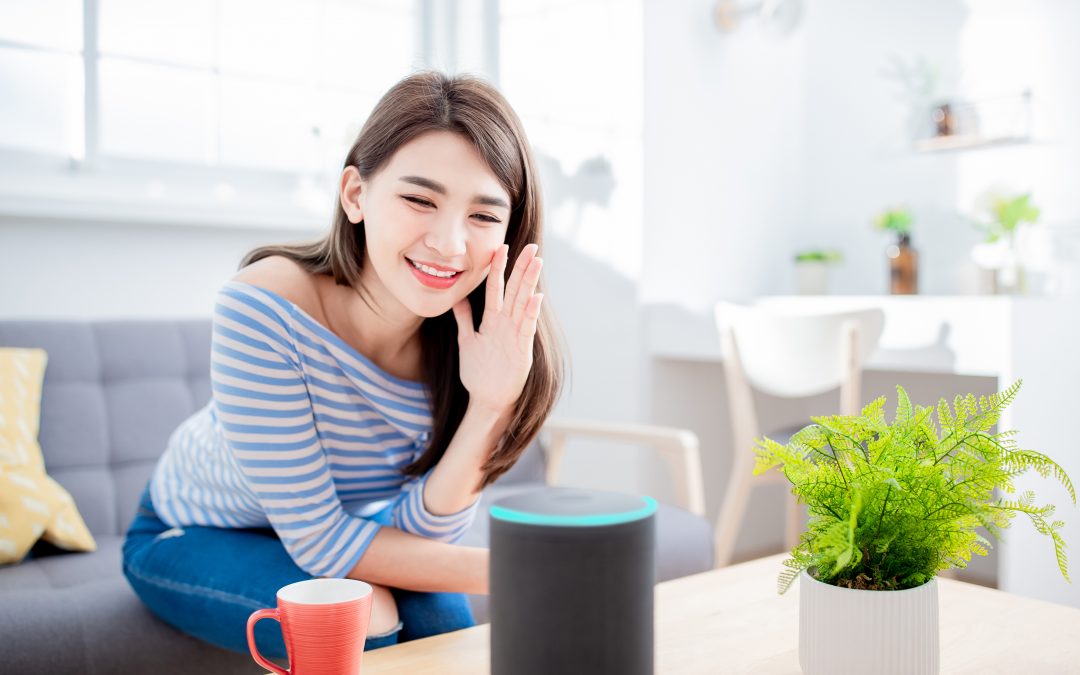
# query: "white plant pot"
848,632
812,278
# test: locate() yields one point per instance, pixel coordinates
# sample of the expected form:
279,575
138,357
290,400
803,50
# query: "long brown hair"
466,105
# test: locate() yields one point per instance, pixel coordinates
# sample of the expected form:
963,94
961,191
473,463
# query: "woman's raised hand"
495,360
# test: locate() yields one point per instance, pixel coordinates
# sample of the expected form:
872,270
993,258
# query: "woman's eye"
417,200
423,202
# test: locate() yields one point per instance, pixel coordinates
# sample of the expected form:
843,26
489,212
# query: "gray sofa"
113,393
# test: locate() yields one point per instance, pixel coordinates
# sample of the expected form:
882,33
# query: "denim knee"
427,614
383,639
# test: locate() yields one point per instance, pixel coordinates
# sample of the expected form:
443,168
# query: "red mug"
324,623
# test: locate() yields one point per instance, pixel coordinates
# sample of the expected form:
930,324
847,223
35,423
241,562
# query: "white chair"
787,354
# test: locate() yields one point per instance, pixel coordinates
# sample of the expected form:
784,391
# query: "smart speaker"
572,575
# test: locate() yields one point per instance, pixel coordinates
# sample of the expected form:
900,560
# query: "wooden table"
733,621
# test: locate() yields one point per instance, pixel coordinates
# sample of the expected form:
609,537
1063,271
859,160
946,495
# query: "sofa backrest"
113,393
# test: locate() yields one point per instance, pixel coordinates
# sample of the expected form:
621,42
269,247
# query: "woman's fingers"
463,316
528,326
493,301
523,260
525,290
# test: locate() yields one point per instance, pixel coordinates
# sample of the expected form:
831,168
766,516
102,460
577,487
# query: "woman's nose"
448,237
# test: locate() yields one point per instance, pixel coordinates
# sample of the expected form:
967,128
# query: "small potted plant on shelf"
1000,252
903,258
890,506
812,270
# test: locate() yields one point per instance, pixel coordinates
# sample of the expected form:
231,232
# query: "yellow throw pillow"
32,505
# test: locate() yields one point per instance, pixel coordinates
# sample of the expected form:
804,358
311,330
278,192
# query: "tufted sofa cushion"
113,393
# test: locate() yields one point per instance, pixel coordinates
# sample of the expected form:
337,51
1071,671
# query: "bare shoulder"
285,277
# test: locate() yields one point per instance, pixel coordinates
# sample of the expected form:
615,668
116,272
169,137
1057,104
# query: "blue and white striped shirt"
303,434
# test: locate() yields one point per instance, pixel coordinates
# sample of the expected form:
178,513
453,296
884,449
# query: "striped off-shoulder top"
303,434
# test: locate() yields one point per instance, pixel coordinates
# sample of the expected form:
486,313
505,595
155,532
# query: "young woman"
366,386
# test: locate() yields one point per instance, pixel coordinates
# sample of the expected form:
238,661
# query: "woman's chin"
431,308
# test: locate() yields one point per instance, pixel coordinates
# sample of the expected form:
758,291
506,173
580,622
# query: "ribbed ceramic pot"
849,632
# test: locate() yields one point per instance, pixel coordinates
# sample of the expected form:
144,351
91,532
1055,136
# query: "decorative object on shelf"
890,506
812,270
1001,252
776,16
903,258
967,125
917,81
944,120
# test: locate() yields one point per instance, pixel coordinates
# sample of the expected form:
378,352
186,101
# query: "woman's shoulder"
286,278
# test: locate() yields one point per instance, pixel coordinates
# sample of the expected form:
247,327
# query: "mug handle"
252,620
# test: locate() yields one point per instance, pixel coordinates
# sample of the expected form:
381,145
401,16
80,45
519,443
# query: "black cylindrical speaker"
572,575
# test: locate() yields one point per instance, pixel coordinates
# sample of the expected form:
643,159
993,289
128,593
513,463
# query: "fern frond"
1024,459
994,405
1059,553
789,575
875,410
945,416
903,406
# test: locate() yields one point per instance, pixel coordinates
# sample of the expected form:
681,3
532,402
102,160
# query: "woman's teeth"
432,271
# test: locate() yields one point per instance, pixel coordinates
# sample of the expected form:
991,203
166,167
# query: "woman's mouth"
431,277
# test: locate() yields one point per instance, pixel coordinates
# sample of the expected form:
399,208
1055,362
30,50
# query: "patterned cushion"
32,505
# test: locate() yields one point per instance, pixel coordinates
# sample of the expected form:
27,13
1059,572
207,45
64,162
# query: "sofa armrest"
679,447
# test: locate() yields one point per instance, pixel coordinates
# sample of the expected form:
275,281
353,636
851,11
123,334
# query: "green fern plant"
892,504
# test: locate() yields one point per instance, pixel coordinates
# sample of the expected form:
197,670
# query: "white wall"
1005,47
572,71
857,153
89,270
757,146
724,122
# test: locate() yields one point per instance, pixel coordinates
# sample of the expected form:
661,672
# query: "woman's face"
435,203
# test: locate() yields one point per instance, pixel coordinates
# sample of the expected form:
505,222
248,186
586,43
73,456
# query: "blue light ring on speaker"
582,520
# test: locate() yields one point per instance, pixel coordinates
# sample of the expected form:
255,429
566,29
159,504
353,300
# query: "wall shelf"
966,142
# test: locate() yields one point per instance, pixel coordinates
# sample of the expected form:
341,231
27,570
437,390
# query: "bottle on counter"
903,267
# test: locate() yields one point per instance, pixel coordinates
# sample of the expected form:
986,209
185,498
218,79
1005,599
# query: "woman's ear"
350,191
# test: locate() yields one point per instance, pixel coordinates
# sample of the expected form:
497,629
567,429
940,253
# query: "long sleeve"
410,515
268,422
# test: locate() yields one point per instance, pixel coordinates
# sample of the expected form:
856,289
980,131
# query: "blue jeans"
206,581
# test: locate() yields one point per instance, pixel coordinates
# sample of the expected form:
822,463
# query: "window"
41,75
214,99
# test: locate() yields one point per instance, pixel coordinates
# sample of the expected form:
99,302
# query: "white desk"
1035,339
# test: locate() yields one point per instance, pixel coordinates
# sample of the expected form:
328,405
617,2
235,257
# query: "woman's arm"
419,563
412,562
404,560
415,563
452,485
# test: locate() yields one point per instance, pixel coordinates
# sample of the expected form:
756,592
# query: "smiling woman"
366,386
